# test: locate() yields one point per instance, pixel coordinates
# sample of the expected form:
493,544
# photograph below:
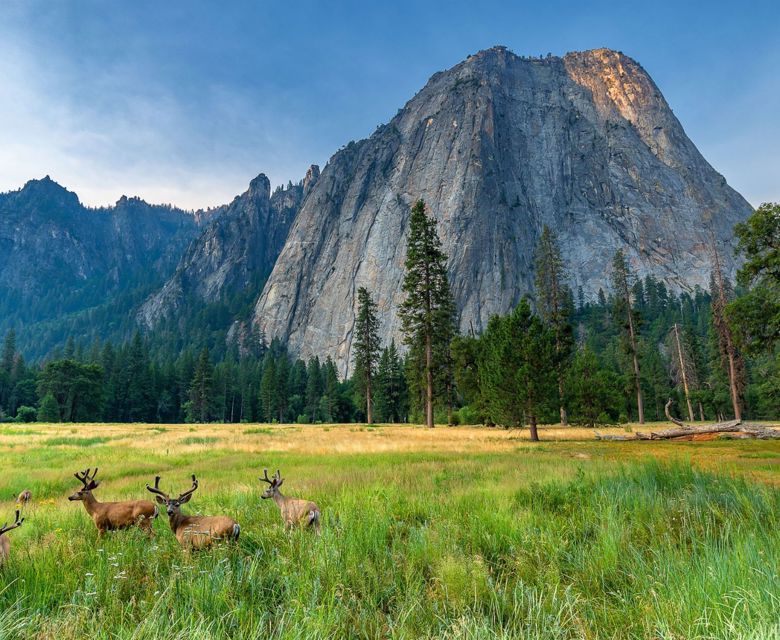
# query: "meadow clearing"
447,533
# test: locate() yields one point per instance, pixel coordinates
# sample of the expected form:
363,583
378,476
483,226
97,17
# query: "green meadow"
454,533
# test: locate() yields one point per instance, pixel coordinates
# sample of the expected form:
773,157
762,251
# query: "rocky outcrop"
51,244
499,146
235,252
66,269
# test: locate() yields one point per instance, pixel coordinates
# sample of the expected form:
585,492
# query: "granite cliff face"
236,250
499,146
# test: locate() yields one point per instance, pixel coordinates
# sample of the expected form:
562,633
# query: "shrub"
469,415
26,414
604,418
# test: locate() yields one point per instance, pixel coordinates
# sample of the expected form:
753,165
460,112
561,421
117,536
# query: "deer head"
172,506
89,483
17,523
273,484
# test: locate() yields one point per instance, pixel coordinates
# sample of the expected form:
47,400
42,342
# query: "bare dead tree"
729,355
681,367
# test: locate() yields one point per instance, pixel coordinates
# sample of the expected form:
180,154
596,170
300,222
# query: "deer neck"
90,503
176,520
279,499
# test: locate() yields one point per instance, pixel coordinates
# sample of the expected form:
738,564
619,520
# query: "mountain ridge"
498,146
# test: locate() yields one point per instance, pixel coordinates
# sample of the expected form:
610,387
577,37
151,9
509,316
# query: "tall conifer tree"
365,351
553,298
427,314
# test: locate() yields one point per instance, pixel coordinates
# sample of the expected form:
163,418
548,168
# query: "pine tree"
517,368
365,351
552,299
49,409
313,389
268,389
624,314
70,349
594,391
201,402
139,384
329,403
9,352
391,393
427,313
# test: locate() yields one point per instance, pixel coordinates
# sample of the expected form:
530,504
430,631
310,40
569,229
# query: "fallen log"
606,436
689,432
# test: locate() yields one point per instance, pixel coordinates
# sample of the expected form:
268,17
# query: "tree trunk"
532,425
564,416
727,335
369,408
682,372
428,382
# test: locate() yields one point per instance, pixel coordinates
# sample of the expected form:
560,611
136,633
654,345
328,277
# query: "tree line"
557,357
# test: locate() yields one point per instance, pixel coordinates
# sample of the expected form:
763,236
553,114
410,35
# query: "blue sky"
185,102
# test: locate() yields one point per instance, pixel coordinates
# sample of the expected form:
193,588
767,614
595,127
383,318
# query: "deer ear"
159,500
94,484
279,483
186,498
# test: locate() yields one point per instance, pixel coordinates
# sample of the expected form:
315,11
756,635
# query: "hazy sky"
185,102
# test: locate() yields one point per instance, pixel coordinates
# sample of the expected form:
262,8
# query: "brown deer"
294,510
5,543
24,498
196,532
110,516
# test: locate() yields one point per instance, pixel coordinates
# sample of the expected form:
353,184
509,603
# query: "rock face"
60,260
499,146
49,240
235,252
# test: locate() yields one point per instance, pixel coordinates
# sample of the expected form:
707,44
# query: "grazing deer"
109,516
294,510
196,532
5,543
24,499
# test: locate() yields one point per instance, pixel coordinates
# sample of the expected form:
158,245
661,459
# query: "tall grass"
413,545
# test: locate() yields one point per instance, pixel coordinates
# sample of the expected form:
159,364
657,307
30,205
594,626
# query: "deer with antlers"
196,532
295,511
109,516
5,543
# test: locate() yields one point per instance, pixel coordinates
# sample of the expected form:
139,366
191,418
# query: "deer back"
297,510
120,515
201,531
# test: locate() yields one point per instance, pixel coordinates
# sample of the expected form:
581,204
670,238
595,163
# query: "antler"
156,488
85,478
17,523
266,478
191,490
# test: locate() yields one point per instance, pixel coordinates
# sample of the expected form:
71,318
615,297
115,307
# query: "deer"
194,532
5,543
295,511
24,499
112,516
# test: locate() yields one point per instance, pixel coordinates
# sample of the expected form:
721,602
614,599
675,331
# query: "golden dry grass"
759,458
